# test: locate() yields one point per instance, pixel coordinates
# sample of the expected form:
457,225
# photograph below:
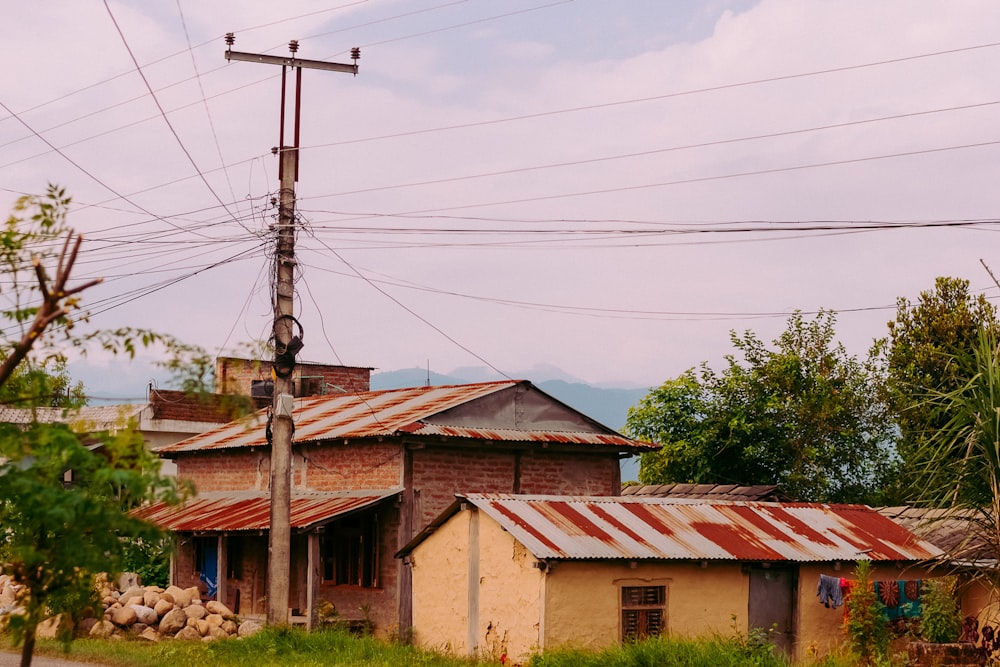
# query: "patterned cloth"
901,598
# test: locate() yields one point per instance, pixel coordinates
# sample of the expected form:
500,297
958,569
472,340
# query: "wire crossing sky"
608,188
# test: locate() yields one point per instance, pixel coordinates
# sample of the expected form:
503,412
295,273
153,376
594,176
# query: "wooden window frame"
643,610
349,551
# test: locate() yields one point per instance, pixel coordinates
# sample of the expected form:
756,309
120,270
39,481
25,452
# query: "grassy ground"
296,647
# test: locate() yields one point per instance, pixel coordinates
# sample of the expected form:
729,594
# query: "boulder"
215,620
131,592
127,580
124,616
179,596
150,635
216,607
188,633
84,626
195,611
102,629
49,628
174,620
202,626
144,614
162,607
193,593
166,595
150,598
217,633
229,627
248,628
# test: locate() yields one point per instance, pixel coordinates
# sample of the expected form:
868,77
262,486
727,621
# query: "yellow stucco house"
508,575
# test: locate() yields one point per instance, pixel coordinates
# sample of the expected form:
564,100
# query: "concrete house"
369,471
499,574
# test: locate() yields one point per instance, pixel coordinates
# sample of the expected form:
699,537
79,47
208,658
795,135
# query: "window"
644,611
349,551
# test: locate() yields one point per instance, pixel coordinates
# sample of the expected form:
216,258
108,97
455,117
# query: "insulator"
230,39
355,53
293,45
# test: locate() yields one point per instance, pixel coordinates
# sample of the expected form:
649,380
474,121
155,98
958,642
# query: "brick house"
369,471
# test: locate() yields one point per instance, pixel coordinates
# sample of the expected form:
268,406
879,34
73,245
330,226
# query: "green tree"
56,536
47,384
804,415
959,466
931,349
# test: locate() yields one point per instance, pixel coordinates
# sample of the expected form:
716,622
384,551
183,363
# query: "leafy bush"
867,623
941,620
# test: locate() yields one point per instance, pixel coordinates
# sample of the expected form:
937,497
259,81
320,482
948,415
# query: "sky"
604,187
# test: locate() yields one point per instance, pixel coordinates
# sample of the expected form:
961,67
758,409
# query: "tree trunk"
28,648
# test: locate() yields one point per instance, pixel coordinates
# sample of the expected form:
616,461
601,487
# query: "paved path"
8,659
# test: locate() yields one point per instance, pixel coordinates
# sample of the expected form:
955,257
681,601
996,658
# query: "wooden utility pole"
286,342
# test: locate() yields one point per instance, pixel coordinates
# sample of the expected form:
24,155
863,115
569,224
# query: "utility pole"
286,343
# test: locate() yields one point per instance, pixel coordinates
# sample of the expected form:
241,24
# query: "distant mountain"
607,405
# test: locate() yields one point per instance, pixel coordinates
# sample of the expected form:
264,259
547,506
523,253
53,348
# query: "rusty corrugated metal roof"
640,527
390,412
758,492
250,510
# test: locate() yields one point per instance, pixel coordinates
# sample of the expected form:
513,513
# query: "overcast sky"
608,187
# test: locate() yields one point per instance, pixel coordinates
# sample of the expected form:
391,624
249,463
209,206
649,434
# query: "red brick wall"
338,467
171,404
236,375
226,470
440,473
561,473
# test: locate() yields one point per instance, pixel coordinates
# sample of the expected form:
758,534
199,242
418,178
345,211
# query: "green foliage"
804,415
150,559
666,651
57,534
930,350
43,384
941,619
867,623
960,462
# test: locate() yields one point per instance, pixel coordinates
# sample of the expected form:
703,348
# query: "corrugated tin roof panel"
642,527
383,413
248,510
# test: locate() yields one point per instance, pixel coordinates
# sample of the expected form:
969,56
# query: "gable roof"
958,533
757,492
653,528
512,410
83,419
235,511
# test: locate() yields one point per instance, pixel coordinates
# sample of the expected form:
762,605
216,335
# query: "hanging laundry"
829,591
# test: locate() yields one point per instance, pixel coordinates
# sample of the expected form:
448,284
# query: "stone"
127,580
84,626
193,593
144,614
195,611
216,607
180,597
49,628
131,592
102,629
217,633
249,628
174,620
166,595
150,598
215,620
150,635
124,617
132,600
202,626
188,634
162,607
229,627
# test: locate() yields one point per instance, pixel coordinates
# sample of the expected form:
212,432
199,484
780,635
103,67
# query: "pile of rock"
152,613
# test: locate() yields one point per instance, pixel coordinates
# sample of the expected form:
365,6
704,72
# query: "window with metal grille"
644,611
349,551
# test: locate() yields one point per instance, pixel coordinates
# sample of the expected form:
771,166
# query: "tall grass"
280,647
